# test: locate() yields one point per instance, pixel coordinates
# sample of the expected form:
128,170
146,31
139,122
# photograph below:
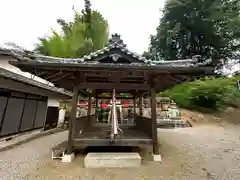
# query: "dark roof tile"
14,76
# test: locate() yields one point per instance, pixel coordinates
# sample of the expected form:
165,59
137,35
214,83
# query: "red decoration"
104,106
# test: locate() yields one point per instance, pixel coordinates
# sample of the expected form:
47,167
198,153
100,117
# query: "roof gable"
115,52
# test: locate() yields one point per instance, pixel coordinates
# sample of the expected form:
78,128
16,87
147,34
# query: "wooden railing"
83,123
144,124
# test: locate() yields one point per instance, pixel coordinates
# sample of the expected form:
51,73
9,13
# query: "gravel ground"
17,162
207,152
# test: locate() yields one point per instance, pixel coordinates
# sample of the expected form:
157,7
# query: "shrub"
211,93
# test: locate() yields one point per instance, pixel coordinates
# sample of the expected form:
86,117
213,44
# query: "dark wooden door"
51,118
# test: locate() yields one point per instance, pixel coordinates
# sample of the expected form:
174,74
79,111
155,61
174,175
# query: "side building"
27,102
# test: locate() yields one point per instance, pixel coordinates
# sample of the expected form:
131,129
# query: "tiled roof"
4,51
183,63
115,42
18,54
14,76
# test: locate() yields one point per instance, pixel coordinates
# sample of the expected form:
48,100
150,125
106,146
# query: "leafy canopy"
210,28
87,32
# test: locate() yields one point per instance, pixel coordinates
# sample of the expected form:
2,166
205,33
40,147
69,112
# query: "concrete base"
111,160
156,157
68,157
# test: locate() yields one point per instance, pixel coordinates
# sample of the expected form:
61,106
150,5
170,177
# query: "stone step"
112,160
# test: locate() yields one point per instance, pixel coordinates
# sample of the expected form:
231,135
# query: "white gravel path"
212,152
200,153
17,162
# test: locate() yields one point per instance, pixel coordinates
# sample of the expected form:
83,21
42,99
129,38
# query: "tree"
210,28
87,32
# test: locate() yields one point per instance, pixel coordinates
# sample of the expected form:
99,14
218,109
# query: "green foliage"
87,32
209,28
125,95
210,93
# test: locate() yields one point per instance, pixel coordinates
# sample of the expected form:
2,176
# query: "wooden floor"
98,136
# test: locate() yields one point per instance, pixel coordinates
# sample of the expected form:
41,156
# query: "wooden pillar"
154,120
141,105
89,109
96,112
89,106
134,109
96,105
72,121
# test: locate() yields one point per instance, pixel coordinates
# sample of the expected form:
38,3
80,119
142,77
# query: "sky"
23,21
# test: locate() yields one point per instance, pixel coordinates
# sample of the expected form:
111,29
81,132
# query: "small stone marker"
112,160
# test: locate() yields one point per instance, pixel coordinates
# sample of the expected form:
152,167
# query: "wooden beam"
129,91
40,73
118,97
154,119
72,121
175,80
117,86
53,75
61,77
86,93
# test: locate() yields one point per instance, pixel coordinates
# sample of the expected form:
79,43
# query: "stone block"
112,160
68,157
156,157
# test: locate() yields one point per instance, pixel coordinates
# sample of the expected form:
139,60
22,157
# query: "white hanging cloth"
114,114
